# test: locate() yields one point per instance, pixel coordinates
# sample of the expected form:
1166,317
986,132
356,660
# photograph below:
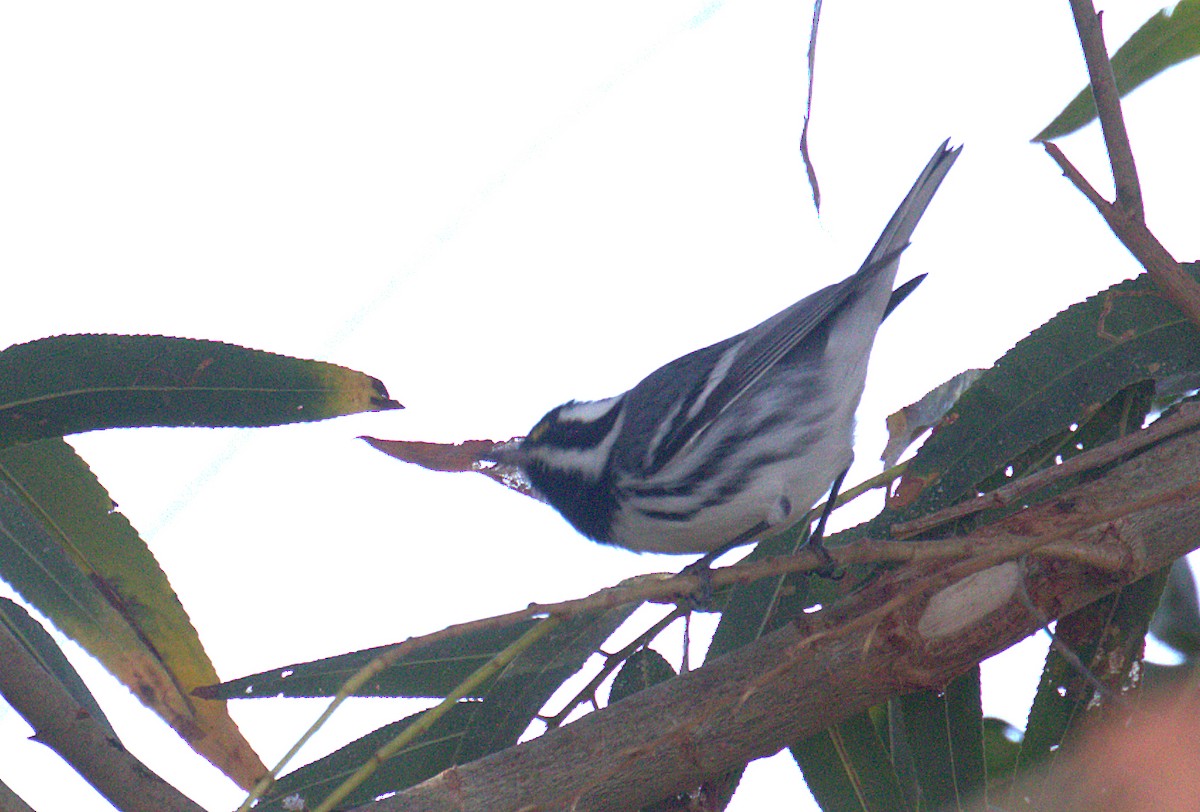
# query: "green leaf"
519,692
1001,748
45,651
945,737
645,667
848,767
431,671
1177,620
1122,413
472,728
40,565
422,759
1062,374
69,553
68,384
759,607
1166,39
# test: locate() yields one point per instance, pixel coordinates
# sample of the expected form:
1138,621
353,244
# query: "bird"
736,441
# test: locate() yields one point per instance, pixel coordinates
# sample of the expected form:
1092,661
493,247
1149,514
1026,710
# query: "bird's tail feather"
898,230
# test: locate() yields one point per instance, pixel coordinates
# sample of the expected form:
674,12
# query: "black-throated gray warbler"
735,440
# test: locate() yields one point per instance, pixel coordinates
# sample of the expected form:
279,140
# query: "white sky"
495,208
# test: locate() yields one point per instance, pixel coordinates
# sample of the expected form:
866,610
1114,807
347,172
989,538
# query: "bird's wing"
742,360
736,364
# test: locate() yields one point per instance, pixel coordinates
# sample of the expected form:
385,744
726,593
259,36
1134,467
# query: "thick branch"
62,725
916,627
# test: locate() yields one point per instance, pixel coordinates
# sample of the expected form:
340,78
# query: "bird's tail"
898,230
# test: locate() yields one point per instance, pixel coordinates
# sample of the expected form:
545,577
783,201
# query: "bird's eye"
537,431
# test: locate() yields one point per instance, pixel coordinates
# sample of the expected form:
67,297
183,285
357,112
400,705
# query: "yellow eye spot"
536,433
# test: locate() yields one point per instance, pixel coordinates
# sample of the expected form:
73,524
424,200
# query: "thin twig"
1187,417
1108,107
1167,273
421,725
880,480
611,662
1126,217
812,66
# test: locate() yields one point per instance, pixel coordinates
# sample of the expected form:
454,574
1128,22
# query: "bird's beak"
508,453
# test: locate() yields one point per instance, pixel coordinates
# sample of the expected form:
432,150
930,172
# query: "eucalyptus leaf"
70,553
1060,375
73,383
432,670
1107,638
521,690
848,767
1169,37
645,667
435,751
945,738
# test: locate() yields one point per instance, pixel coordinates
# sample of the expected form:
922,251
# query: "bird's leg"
702,598
705,563
828,567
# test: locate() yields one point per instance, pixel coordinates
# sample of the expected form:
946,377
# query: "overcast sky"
496,207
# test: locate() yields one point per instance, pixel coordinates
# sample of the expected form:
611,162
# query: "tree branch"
1108,107
1163,268
66,728
1188,417
1126,217
915,627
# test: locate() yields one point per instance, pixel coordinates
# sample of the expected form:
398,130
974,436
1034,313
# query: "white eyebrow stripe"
589,462
588,411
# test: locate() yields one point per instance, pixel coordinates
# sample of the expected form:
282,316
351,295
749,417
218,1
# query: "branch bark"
1140,241
66,728
1108,107
1126,216
916,627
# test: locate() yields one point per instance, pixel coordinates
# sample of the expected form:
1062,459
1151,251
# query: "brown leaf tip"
464,456
381,401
